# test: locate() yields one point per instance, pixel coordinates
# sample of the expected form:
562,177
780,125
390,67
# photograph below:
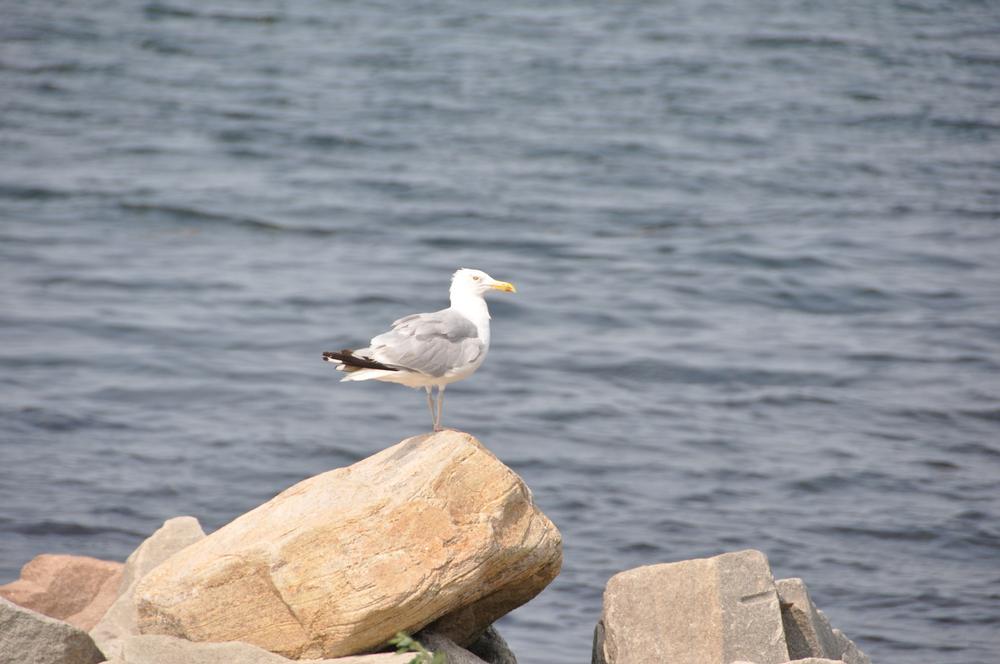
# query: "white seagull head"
477,282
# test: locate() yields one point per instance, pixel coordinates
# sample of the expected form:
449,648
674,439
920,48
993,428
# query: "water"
756,247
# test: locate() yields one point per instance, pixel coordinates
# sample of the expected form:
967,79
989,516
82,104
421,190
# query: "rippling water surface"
756,244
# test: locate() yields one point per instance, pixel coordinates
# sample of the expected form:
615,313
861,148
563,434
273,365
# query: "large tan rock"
705,611
435,528
77,589
121,619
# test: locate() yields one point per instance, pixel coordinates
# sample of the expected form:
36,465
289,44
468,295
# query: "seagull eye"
475,278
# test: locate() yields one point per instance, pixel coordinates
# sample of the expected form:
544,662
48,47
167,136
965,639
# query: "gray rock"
807,631
492,649
27,636
705,611
175,534
159,649
156,649
849,653
121,619
454,652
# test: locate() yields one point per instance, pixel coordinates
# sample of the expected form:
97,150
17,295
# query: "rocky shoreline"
433,537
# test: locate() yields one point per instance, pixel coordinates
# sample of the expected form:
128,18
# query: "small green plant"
405,643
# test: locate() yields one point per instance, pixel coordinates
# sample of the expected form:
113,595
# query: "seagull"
430,350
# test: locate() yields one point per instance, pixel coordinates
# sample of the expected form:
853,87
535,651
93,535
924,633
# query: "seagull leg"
430,405
437,424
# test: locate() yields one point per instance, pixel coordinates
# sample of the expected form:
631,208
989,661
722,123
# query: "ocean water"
757,247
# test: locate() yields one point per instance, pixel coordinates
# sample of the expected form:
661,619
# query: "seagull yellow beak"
503,286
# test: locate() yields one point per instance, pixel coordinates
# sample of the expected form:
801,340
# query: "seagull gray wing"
434,344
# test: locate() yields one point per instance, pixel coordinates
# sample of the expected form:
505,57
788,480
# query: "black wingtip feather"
350,359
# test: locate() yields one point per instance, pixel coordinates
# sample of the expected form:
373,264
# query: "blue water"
757,247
